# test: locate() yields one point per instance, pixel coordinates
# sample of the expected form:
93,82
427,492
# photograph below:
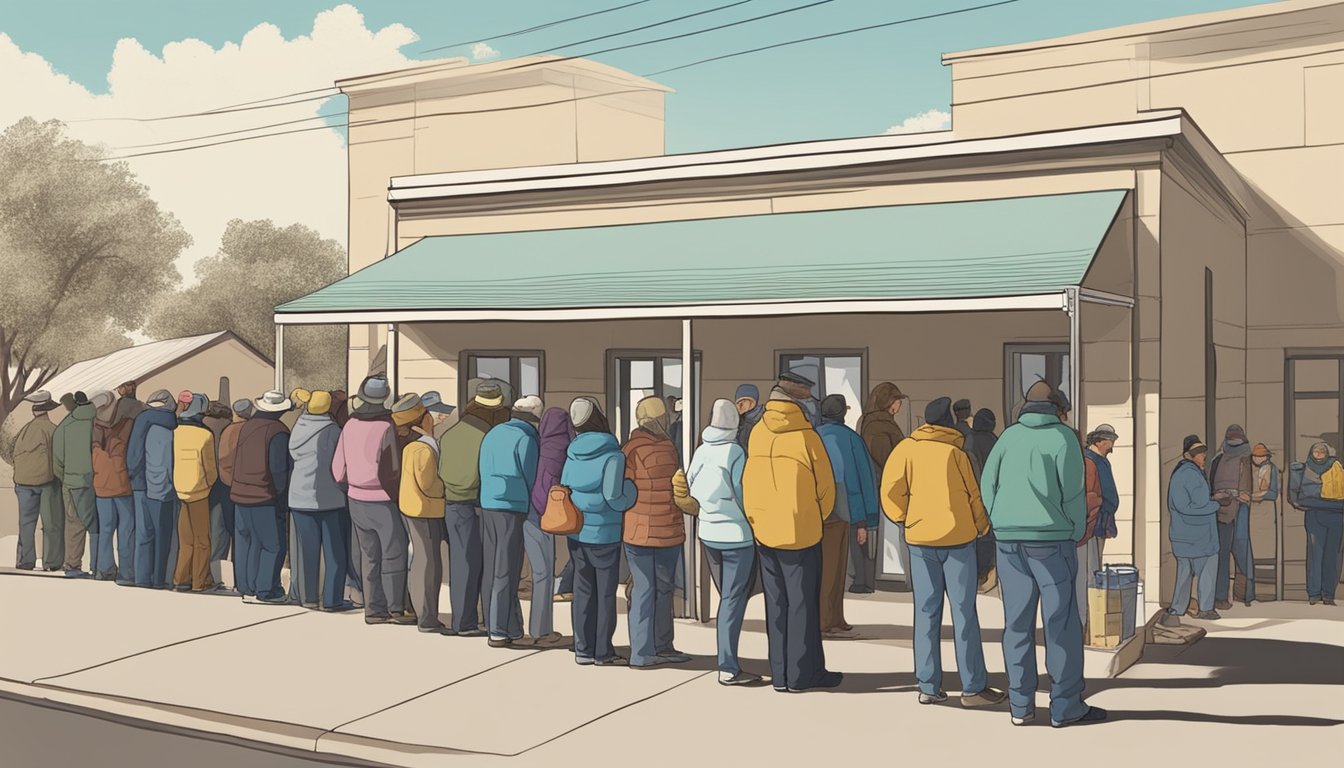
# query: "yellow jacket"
928,485
421,486
194,467
787,486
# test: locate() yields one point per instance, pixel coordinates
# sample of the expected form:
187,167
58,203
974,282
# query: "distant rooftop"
456,68
134,363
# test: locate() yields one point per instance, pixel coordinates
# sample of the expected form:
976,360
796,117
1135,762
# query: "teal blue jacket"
1033,484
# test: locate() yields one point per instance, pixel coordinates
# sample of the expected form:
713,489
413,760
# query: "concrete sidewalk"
330,685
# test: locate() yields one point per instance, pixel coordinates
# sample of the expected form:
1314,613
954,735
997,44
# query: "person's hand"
1244,497
861,535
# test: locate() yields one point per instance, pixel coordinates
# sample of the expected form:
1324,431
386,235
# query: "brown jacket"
654,520
881,434
1227,510
228,446
1092,486
110,479
32,452
252,481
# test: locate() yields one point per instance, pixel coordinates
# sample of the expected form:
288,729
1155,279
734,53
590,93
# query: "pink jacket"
366,460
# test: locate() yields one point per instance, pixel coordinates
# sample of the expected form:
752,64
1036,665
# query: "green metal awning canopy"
1011,247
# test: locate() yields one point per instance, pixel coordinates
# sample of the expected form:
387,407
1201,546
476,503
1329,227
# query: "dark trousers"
32,500
792,580
154,539
596,576
257,548
1324,530
426,576
1234,544
463,524
321,541
383,543
221,523
503,569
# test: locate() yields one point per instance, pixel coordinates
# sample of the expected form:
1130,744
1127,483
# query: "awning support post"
393,339
689,426
279,357
1073,307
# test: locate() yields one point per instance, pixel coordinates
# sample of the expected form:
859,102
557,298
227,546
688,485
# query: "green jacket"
72,448
1033,483
459,460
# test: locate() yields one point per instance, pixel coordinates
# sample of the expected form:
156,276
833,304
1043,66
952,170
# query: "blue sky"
854,85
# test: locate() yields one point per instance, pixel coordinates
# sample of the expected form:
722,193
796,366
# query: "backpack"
561,517
1332,483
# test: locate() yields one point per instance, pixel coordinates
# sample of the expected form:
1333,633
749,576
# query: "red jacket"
1092,485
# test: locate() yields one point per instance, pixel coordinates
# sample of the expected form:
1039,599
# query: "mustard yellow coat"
421,487
788,486
194,468
928,485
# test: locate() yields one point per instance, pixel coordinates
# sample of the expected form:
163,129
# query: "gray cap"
244,408
433,403
581,410
797,378
375,389
161,398
1102,432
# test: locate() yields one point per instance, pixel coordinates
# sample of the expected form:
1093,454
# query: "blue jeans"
112,512
654,571
1206,569
1324,530
1033,574
153,539
736,567
1234,543
257,549
321,534
954,571
221,522
596,575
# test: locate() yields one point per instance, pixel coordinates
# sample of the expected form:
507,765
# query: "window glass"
1316,375
808,366
641,374
1315,421
844,376
529,376
671,377
491,368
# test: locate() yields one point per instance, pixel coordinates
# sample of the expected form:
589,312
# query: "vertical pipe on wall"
1073,307
393,345
279,357
689,426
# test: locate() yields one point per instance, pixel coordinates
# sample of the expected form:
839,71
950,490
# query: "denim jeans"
736,567
935,571
1041,574
503,556
654,572
154,523
1324,530
257,546
1205,569
112,512
221,522
792,582
383,542
596,577
463,522
540,548
1234,543
321,538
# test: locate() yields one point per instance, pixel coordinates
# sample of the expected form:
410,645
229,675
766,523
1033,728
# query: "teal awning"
989,248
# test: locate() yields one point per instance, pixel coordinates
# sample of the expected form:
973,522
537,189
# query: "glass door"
1314,413
1026,364
640,375
835,373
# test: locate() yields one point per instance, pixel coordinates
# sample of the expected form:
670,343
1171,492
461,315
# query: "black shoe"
500,643
405,619
1092,715
826,680
339,607
470,633
614,661
377,619
861,590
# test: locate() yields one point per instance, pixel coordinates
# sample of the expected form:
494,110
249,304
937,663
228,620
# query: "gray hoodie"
312,445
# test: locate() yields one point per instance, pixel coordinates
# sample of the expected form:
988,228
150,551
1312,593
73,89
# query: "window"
835,373
1026,364
520,372
635,375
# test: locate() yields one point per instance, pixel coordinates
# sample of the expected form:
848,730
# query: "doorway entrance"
1313,413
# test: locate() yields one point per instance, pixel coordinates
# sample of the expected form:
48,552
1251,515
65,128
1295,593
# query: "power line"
646,26
213,112
342,113
828,35
536,28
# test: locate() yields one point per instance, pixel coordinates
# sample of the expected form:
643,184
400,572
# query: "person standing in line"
509,455
354,584
315,503
714,480
555,435
789,490
929,487
1265,484
72,462
1033,489
881,434
653,535
595,474
855,515
195,470
228,448
961,413
460,470
1323,518
37,488
112,491
1193,534
261,472
218,417
978,446
149,461
1230,472
1103,499
367,461
749,411
421,502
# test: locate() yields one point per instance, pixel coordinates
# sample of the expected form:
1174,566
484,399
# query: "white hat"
101,399
581,410
530,404
274,401
723,415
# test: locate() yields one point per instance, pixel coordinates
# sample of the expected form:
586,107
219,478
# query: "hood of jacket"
84,412
591,445
1034,420
717,435
1319,467
984,421
307,428
785,416
934,433
159,417
555,426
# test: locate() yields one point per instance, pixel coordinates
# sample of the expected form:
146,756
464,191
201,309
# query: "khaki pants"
193,545
834,563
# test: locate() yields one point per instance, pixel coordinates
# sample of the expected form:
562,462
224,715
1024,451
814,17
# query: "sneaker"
827,680
405,619
1310,600
989,697
1169,619
1092,715
552,640
1328,600
614,661
377,618
341,607
470,633
782,689
563,597
438,630
932,698
675,658
583,661
1208,616
1223,605
1026,719
500,643
741,678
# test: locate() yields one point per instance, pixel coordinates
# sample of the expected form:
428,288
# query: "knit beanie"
939,412
833,407
530,405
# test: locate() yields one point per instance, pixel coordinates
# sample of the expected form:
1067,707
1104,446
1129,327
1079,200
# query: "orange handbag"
561,517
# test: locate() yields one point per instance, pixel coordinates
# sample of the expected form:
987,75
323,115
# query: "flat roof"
461,69
1158,26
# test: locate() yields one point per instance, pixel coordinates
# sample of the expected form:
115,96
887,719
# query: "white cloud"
482,52
298,178
932,120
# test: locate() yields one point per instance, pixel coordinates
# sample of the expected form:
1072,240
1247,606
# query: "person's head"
300,398
273,402
196,408
1062,404
438,409
984,421
319,403
161,400
1235,435
587,416
42,403
651,415
104,403
1260,454
1102,439
528,408
407,412
939,413
375,390
1195,450
68,400
961,410
217,410
183,401
126,389
746,398
723,414
1320,452
489,394
795,386
243,409
886,398
834,408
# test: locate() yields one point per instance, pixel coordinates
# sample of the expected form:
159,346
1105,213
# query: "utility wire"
646,26
536,28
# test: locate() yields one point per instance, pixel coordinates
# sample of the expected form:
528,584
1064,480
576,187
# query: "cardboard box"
1100,603
1106,631
1108,641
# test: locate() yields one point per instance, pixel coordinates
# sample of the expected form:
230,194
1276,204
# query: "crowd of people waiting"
784,492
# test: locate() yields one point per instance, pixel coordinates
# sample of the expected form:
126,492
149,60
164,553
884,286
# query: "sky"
83,62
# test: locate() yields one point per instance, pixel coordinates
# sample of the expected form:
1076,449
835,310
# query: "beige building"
1147,217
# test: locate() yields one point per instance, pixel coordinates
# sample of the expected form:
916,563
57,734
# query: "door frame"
1039,347
612,377
1290,400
